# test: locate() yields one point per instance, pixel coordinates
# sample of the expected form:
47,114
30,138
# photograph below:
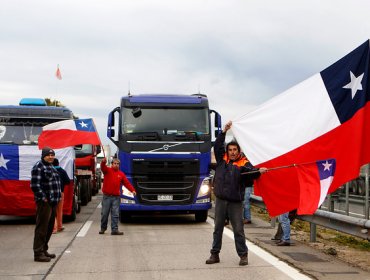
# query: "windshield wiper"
142,136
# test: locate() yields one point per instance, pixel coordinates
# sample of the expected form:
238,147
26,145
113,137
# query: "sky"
240,53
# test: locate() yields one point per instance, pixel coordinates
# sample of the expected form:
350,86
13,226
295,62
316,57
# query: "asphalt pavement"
301,256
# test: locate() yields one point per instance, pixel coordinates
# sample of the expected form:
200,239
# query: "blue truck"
164,144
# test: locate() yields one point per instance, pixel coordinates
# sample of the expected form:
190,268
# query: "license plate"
164,197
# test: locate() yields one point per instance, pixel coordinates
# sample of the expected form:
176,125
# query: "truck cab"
164,143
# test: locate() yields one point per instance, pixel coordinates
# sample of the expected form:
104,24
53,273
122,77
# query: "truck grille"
165,182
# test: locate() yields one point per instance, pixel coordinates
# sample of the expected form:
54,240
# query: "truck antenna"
129,89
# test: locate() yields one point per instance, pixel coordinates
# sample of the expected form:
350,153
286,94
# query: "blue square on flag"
326,168
9,162
85,125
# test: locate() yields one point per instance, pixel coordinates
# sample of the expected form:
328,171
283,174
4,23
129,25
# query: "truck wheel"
84,193
361,186
72,217
201,216
94,189
124,216
89,189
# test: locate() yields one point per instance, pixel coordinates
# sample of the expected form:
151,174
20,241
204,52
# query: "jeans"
285,226
110,204
45,217
247,204
234,210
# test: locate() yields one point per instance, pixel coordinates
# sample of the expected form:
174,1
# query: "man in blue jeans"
247,205
282,235
114,178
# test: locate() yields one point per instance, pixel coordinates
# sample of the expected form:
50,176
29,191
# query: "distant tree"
53,102
56,103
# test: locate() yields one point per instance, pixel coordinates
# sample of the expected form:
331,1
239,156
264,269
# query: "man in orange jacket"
114,178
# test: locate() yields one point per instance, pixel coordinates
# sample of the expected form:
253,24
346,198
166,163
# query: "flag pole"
279,167
98,137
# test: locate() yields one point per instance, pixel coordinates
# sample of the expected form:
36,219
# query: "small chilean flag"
314,182
69,133
58,74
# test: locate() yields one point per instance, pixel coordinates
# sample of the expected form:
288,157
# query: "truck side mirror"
217,122
98,149
111,123
136,112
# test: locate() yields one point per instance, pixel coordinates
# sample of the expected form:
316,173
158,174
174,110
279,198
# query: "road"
156,247
153,247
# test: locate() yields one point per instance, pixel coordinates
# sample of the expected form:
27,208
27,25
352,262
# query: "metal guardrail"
354,226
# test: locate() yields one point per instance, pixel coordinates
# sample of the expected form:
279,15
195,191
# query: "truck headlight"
205,188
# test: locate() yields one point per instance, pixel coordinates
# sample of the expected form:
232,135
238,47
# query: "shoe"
276,238
244,259
246,221
52,256
61,229
283,243
42,258
54,232
116,232
102,231
214,258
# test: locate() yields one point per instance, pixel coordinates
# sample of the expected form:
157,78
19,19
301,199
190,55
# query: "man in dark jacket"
46,186
229,189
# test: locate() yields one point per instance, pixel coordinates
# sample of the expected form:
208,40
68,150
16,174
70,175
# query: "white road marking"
274,261
84,229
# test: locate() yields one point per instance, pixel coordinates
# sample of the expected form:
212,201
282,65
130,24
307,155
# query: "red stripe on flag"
62,138
348,144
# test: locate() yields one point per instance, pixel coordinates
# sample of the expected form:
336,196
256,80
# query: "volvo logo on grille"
165,147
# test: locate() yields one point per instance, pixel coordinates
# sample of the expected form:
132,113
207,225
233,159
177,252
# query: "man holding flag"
233,174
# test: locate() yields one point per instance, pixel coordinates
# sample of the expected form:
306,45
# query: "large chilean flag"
68,133
16,162
325,116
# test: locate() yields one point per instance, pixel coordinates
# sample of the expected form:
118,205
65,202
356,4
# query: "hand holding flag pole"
276,168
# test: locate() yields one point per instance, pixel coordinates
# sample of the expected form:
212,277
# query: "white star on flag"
327,165
3,162
83,124
354,84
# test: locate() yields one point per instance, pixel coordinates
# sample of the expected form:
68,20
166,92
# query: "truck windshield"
17,133
166,121
86,150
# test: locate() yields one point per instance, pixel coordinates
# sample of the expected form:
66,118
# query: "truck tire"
89,188
201,216
361,186
94,189
84,191
72,217
78,197
124,216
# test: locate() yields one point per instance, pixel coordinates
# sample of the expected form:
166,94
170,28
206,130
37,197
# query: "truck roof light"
32,102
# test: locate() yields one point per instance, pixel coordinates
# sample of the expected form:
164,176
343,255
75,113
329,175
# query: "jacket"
63,176
46,183
113,180
229,184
